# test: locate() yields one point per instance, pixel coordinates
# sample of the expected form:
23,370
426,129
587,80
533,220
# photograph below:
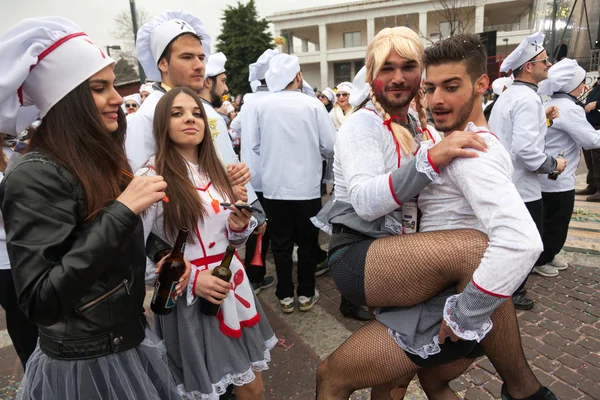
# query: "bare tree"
123,32
459,15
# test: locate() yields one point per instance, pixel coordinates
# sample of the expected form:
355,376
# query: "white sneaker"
306,303
287,305
559,265
546,270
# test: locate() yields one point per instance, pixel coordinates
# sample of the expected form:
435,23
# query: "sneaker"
546,270
268,281
306,303
322,268
287,305
559,265
520,302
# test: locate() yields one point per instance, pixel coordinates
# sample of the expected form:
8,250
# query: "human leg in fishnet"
503,347
435,380
394,390
369,357
406,270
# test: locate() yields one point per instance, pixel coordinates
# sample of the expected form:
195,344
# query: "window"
341,72
448,28
351,39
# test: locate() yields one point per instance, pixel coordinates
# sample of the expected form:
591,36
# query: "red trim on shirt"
491,133
240,231
200,241
206,261
435,168
206,188
488,292
392,190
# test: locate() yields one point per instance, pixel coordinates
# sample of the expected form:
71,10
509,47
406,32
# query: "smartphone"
246,207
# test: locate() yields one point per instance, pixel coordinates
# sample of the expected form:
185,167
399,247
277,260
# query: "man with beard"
520,122
372,265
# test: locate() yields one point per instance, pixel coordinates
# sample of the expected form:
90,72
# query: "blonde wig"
408,45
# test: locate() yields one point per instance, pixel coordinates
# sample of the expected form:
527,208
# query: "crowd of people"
442,202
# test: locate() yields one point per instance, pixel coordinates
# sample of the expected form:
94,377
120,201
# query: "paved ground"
561,334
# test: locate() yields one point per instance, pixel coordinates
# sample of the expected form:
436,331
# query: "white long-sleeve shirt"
519,121
294,131
569,132
245,125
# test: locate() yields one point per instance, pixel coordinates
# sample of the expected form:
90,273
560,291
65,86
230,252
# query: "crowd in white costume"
291,142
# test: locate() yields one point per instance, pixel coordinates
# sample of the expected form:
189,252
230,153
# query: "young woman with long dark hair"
74,235
206,353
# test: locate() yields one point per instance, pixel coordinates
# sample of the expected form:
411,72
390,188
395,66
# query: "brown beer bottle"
222,272
165,296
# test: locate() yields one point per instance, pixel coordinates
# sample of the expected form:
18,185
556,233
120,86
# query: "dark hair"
465,48
185,208
74,135
166,54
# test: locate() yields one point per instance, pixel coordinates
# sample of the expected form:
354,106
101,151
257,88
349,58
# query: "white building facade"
331,41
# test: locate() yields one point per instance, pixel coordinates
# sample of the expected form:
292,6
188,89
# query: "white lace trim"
427,350
237,237
423,165
464,334
240,379
322,225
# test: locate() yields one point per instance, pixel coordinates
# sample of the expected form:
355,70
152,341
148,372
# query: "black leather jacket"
81,282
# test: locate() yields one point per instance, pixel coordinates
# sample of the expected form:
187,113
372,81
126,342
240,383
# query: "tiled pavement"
561,334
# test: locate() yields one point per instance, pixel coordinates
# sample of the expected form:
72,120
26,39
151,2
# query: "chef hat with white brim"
43,60
307,89
528,49
361,89
146,87
499,84
283,68
329,93
154,37
345,87
258,70
135,97
564,76
216,65
254,86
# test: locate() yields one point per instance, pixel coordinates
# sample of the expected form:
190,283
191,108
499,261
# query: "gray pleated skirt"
203,360
139,373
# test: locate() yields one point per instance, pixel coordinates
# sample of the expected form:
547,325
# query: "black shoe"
267,281
543,393
322,267
522,291
587,191
350,310
521,302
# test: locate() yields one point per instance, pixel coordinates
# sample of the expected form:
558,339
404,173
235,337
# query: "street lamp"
505,40
112,47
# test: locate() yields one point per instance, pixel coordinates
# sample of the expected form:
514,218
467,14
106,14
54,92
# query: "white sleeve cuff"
239,237
475,333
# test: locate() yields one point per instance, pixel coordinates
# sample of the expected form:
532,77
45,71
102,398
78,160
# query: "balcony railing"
514,26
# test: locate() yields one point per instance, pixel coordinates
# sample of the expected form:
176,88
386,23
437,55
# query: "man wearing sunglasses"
520,122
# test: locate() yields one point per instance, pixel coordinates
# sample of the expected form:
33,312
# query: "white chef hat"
361,89
346,87
329,93
258,70
530,47
564,76
146,87
282,71
154,37
43,59
254,86
135,97
216,65
499,84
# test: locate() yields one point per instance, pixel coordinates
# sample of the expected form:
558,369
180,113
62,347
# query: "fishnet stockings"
405,270
429,262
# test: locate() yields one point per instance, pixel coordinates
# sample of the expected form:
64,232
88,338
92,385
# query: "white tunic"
294,131
478,193
245,125
569,133
140,146
519,121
